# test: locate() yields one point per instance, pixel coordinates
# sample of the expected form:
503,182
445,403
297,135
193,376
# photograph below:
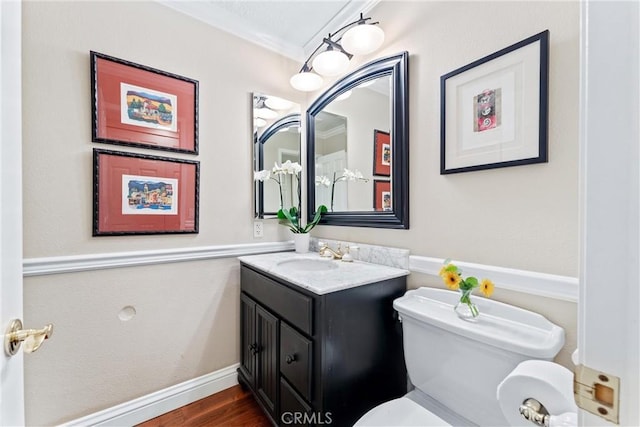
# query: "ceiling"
293,28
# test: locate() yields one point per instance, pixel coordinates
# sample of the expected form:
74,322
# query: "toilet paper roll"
547,382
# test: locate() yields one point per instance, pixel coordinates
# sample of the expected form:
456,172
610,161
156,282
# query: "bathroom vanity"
320,340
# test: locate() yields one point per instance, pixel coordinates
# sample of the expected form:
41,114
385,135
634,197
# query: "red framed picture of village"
142,194
141,106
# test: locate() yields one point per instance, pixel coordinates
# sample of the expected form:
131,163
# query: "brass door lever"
32,338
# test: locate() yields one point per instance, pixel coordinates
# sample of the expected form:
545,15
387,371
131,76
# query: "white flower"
323,180
262,175
288,167
353,175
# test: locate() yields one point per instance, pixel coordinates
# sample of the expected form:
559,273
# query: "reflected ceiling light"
260,108
276,103
265,113
344,96
260,122
332,58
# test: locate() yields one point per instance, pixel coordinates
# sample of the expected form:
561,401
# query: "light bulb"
306,81
362,39
265,113
330,63
276,103
344,96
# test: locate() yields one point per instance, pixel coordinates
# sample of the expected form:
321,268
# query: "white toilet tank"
459,363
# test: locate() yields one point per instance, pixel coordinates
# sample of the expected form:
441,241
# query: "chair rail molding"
529,282
76,263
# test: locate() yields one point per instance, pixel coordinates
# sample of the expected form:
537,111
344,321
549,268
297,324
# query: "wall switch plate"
258,230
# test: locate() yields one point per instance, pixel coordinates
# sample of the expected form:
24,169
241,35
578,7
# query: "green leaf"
472,281
316,219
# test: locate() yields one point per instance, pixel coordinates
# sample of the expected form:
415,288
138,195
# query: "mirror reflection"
358,147
276,141
350,156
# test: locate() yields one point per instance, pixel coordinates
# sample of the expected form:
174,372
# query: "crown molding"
224,20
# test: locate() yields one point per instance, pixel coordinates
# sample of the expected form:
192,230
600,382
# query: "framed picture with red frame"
382,200
143,107
142,194
381,153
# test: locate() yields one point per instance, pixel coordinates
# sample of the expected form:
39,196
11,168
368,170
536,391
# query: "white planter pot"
301,241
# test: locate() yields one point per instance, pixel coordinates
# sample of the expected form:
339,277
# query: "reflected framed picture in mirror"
381,153
382,201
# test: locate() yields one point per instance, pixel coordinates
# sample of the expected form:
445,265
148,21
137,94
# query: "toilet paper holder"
535,412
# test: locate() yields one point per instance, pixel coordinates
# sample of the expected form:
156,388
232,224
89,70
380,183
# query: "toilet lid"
399,412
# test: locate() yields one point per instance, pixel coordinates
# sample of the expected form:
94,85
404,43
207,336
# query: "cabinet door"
267,330
248,342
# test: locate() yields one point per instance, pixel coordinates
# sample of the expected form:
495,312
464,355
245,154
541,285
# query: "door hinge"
597,392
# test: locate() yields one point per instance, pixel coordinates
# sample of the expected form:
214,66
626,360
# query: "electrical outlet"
258,231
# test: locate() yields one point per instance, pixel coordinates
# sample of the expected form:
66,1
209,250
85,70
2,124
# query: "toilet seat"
399,412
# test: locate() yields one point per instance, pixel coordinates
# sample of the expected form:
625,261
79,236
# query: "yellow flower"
443,270
451,279
486,287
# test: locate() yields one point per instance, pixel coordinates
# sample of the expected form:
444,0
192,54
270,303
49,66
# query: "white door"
331,165
608,331
11,376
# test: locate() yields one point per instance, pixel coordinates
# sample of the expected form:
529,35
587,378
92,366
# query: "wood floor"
230,407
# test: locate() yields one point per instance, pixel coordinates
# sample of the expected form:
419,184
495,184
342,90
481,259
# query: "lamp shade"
276,103
265,113
306,81
362,39
330,63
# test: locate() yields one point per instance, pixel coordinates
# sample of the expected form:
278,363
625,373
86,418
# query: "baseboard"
152,405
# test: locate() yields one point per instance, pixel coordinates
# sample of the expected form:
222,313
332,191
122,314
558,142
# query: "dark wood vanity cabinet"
319,359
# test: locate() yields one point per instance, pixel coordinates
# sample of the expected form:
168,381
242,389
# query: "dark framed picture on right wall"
494,110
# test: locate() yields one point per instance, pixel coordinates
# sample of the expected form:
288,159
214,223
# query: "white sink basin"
307,264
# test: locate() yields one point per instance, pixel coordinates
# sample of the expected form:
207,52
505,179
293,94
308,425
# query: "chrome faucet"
326,251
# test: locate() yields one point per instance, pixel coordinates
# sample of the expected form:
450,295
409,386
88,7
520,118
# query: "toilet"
479,372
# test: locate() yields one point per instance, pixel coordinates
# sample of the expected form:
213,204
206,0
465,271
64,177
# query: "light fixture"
306,81
362,39
276,103
332,57
261,109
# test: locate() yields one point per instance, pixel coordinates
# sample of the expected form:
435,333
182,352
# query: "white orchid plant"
347,175
289,217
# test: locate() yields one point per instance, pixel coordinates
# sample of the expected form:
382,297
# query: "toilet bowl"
457,366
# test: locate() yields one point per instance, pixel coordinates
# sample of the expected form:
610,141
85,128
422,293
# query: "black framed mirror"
276,140
358,147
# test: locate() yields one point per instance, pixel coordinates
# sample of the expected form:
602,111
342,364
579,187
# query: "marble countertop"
337,276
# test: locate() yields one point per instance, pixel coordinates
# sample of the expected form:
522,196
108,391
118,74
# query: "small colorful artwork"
386,154
386,200
148,108
143,195
487,106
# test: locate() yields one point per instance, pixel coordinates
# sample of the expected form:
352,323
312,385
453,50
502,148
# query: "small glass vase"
465,309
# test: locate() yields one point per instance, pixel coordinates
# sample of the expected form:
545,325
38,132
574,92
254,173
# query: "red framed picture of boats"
140,106
142,194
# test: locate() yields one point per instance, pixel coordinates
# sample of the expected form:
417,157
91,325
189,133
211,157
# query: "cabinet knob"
253,348
290,359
